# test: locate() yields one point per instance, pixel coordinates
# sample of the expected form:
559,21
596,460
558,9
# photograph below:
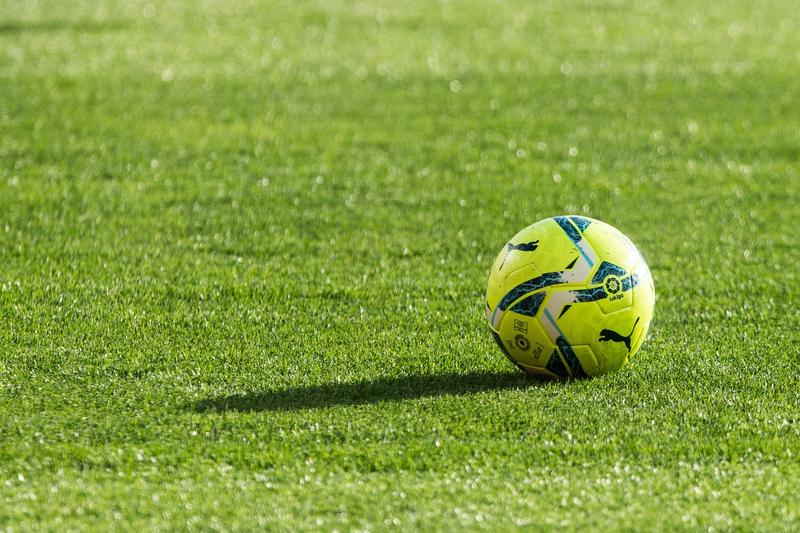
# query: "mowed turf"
244,246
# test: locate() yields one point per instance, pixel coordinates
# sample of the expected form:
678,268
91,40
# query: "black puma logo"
521,247
611,335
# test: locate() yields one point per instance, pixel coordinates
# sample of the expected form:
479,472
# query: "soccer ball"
569,297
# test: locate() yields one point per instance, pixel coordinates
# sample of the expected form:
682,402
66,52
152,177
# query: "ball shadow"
42,26
369,392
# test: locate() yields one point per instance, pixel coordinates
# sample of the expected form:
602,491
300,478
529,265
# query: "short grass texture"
243,249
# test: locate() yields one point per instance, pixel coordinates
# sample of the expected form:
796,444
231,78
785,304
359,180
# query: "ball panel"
556,252
539,371
618,289
513,254
552,252
613,342
612,245
588,360
557,366
639,340
507,283
573,320
525,340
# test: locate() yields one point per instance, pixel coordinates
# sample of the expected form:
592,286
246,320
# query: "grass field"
244,246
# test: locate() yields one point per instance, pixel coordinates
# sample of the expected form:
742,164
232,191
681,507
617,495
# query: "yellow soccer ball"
570,297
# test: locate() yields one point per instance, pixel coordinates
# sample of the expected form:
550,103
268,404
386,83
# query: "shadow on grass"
367,392
81,26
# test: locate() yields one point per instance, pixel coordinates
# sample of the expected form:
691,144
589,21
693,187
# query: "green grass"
243,249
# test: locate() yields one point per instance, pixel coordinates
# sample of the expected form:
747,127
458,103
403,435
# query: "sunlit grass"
243,249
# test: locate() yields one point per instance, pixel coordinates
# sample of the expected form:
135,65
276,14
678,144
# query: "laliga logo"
613,286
